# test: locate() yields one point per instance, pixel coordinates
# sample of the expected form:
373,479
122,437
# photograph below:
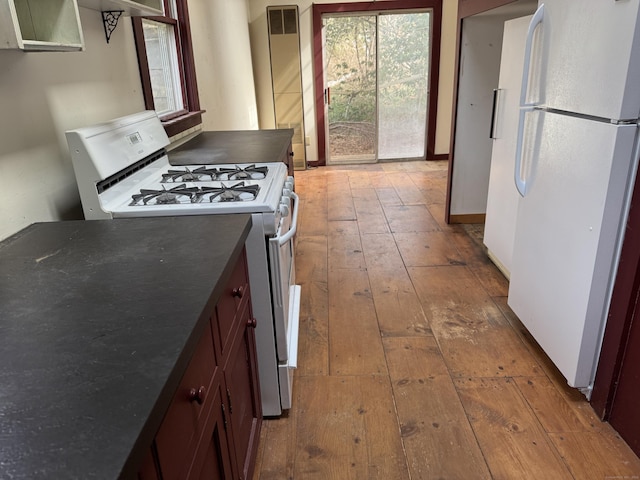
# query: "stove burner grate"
187,175
234,193
246,173
164,196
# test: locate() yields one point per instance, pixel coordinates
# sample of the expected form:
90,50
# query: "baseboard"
440,156
468,218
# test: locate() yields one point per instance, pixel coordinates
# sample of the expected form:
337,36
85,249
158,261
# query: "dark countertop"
98,321
240,146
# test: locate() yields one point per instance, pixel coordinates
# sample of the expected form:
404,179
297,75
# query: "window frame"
191,114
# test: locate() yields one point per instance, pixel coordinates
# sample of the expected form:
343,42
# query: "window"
167,67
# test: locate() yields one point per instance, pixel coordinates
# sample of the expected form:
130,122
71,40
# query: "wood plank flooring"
411,365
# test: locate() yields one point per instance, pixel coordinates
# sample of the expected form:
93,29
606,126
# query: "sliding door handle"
327,96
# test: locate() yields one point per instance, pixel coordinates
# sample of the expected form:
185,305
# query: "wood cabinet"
40,25
211,428
54,25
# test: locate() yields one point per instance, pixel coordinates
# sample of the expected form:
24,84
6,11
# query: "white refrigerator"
576,159
502,196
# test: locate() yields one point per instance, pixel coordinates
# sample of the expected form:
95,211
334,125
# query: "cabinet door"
40,25
148,469
179,435
232,300
243,397
213,460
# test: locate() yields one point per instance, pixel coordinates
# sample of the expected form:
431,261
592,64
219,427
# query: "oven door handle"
294,222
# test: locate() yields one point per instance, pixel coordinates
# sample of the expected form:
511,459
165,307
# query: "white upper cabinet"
40,25
130,7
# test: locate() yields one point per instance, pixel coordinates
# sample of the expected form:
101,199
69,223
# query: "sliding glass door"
376,77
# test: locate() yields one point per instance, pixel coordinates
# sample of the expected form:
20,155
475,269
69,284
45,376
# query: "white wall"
222,51
43,95
262,73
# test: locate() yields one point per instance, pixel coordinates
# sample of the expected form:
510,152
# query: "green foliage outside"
403,64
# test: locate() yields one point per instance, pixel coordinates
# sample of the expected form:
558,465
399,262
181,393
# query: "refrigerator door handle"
492,132
536,20
521,183
525,107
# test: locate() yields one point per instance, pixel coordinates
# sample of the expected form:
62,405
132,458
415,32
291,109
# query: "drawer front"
234,297
180,430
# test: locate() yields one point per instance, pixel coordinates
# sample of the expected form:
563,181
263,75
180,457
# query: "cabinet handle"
252,322
238,292
291,154
197,395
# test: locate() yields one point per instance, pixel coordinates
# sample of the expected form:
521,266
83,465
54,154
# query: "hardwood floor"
411,365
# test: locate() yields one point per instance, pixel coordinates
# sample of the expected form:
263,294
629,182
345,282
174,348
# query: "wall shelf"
129,7
40,25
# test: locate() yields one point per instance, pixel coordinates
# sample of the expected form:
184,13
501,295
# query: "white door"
566,234
591,58
502,199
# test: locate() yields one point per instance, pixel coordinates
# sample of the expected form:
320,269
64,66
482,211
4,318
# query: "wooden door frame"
622,309
359,7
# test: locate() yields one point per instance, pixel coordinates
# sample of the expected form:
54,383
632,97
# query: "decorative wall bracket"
110,21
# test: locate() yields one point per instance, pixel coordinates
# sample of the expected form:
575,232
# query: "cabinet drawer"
179,432
234,296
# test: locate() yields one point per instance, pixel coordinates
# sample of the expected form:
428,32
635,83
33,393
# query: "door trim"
622,310
318,64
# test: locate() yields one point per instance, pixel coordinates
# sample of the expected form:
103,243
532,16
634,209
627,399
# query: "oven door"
281,263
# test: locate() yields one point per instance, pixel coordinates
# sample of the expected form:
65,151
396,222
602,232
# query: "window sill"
177,125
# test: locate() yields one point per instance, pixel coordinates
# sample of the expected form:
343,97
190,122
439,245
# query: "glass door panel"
350,88
403,84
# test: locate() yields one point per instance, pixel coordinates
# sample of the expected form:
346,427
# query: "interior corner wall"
224,71
262,72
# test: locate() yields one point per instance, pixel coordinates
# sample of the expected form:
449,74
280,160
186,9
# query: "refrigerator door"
502,198
590,58
566,235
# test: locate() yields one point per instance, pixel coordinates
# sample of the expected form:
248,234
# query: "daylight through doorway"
376,85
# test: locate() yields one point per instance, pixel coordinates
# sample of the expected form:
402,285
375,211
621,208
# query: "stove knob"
289,183
286,192
284,210
286,201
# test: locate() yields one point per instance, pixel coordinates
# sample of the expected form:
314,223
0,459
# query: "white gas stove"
200,189
122,170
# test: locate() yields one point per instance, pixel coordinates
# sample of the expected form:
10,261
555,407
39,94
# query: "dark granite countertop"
240,146
98,321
